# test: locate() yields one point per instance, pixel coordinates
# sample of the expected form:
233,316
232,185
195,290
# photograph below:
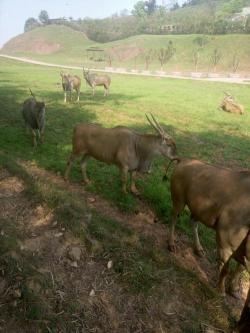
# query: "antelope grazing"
121,146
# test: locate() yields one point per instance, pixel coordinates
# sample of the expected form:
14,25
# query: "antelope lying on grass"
94,80
34,117
230,105
220,199
121,146
70,82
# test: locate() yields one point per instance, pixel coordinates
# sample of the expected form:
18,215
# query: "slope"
60,44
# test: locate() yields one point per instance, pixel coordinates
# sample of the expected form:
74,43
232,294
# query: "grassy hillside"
50,43
63,45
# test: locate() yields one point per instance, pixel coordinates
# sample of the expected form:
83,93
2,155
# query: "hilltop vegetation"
63,45
195,16
199,36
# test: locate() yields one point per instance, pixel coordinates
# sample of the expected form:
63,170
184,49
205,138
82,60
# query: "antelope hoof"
199,252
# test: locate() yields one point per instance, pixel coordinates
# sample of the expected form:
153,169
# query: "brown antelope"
94,80
230,105
121,146
218,198
34,117
70,82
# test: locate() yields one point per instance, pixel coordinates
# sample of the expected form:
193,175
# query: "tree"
165,54
148,57
196,58
235,62
44,17
215,58
151,6
110,55
144,8
201,41
30,24
139,52
139,9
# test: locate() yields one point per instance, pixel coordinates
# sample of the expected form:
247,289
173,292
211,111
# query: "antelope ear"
61,73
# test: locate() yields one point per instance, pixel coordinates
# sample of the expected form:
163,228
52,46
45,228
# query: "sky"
14,13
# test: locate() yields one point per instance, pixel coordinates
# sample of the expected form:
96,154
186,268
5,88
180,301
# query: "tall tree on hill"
148,57
151,6
235,62
196,58
144,8
215,58
200,43
44,17
30,24
165,54
139,9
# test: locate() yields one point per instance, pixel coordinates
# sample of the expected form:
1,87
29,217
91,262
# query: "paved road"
218,79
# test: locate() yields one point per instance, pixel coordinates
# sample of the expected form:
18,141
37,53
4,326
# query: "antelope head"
167,145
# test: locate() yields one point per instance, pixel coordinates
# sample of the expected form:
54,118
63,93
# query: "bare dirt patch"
37,45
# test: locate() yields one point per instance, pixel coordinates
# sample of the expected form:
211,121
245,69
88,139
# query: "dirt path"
117,71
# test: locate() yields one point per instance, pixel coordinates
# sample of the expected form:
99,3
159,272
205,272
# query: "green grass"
73,47
187,109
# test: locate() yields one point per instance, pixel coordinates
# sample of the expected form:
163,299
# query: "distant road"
117,71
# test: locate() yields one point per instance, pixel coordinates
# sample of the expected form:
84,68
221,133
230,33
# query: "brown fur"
229,105
127,149
94,80
219,198
34,117
70,83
